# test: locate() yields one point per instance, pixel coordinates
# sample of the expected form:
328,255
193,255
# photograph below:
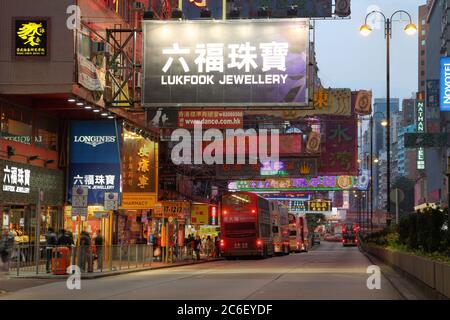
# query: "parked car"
338,237
316,238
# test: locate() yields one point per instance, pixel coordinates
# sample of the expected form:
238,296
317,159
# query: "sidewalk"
97,274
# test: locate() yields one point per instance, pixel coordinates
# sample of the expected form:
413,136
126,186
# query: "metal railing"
96,259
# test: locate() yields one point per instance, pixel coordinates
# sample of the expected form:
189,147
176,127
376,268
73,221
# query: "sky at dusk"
348,60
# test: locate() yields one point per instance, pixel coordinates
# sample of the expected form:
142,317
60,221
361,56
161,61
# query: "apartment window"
422,52
423,22
423,42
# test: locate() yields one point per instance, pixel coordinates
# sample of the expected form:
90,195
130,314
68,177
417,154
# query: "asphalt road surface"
328,272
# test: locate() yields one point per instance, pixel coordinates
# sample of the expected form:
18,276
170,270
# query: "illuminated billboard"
225,63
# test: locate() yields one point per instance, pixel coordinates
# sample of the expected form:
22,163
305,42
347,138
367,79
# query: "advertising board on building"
20,184
139,172
226,63
445,84
94,158
31,37
200,214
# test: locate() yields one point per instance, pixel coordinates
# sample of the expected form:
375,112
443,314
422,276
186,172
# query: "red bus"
245,226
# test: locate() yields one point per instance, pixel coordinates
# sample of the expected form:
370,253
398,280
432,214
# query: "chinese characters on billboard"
238,63
31,37
139,171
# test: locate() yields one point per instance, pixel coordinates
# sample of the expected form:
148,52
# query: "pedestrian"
51,242
209,247
217,246
193,246
85,243
198,246
6,248
98,241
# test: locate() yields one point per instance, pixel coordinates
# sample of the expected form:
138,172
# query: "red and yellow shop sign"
174,209
139,172
200,214
137,200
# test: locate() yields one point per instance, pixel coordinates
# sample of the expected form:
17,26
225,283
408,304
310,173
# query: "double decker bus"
245,226
298,233
280,227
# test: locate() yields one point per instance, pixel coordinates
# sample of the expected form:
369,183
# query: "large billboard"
226,63
140,172
94,158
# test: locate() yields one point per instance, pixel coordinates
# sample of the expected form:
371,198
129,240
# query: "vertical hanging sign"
420,121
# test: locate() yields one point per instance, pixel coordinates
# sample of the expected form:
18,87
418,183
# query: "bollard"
137,255
18,262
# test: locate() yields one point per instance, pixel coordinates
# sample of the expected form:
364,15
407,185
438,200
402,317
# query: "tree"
314,219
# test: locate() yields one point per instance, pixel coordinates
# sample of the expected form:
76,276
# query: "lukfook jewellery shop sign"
226,63
16,179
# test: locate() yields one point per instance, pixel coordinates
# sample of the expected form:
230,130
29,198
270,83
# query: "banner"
200,214
325,183
94,158
335,102
319,205
139,171
217,119
339,154
87,75
174,209
363,103
225,63
285,167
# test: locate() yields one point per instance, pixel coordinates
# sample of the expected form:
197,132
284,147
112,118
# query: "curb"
428,292
117,273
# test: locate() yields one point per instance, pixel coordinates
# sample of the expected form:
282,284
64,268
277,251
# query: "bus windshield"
236,200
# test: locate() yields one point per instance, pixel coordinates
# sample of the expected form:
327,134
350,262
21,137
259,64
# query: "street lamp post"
365,30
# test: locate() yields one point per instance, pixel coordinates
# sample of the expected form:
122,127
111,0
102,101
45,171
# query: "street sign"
111,201
79,211
80,196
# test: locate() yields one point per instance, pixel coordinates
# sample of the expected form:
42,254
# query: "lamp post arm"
374,12
402,11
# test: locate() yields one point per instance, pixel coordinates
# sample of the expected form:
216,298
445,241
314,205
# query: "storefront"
23,187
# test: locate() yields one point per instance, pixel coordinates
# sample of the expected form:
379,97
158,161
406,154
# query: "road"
329,272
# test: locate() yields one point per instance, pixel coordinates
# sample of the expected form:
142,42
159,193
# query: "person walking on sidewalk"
198,246
85,243
98,241
6,248
51,242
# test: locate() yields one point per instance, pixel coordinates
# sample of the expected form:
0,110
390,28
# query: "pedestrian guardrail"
28,260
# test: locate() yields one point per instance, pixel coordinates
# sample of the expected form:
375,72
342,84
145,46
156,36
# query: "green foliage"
420,232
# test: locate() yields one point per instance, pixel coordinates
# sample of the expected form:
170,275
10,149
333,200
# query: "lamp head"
411,29
384,123
365,30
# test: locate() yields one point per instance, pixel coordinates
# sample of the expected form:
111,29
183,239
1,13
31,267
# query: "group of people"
207,245
90,249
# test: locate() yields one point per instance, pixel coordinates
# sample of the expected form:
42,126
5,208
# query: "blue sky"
348,60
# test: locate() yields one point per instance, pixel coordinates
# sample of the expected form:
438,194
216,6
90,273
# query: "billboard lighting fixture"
234,13
292,11
72,100
110,116
96,110
104,114
79,103
88,107
205,13
177,14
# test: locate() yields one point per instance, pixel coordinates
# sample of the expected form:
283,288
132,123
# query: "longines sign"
94,140
226,63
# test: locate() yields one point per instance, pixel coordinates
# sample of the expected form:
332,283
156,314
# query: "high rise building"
423,31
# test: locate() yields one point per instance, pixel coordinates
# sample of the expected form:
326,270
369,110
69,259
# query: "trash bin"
60,260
